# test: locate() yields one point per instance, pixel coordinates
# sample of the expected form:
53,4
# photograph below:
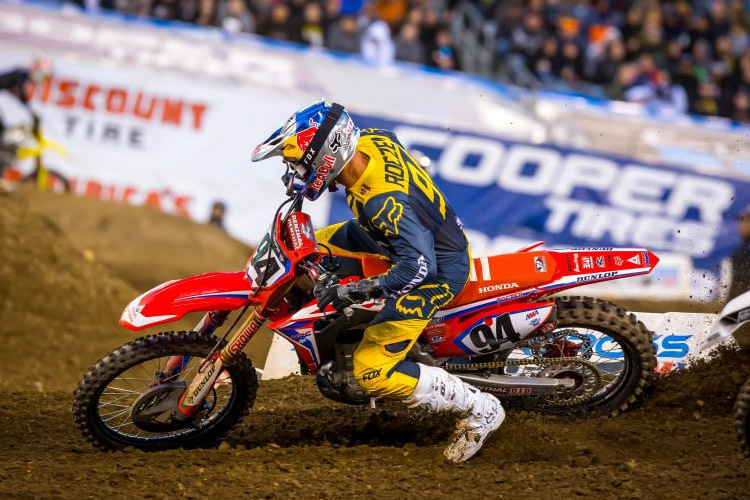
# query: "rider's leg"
382,370
348,239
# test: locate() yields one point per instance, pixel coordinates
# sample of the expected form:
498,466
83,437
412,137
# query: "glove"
342,296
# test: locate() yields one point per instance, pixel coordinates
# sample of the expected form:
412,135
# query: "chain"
554,400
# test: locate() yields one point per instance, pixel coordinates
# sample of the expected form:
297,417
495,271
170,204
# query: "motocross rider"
18,80
399,215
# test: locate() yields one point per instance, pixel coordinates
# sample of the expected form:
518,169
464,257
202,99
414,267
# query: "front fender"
172,300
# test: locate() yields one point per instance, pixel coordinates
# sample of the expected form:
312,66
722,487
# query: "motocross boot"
482,413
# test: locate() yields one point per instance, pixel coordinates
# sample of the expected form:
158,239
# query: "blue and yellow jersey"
398,205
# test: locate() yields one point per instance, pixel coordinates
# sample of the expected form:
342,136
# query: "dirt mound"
69,265
141,245
53,295
710,385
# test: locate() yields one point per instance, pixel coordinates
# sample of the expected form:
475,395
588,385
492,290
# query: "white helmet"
317,142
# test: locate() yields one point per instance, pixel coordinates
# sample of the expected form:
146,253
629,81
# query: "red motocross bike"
503,334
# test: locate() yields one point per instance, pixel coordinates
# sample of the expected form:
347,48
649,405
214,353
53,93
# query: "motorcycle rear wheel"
636,341
612,325
742,417
99,390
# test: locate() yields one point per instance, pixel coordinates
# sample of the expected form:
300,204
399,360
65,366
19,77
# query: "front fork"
193,397
207,326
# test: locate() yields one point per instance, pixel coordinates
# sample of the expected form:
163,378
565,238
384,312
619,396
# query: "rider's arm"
15,82
413,244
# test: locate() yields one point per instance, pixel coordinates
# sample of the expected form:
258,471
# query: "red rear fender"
170,301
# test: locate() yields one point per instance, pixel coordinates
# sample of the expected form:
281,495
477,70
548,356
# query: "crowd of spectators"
678,55
382,31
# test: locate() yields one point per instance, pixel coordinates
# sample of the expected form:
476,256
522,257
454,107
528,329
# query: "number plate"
266,267
494,333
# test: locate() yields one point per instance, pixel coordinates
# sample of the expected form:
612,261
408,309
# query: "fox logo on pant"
371,375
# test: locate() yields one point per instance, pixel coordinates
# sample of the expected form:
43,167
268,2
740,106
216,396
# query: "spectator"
606,68
571,62
719,20
707,102
206,13
165,9
278,25
633,23
625,79
343,35
333,9
216,217
700,29
673,55
409,47
739,39
187,10
313,30
528,38
546,64
377,45
430,27
234,17
444,56
669,97
741,106
702,59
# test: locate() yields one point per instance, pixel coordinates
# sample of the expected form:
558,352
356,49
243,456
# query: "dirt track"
297,444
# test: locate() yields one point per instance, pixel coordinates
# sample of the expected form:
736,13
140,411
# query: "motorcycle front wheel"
104,400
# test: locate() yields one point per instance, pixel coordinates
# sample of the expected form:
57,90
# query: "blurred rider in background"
18,82
400,216
741,258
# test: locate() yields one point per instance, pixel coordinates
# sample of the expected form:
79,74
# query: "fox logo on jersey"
387,218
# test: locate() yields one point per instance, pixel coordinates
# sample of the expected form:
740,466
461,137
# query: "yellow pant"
380,364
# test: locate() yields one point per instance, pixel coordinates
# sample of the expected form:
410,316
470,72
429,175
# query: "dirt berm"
62,286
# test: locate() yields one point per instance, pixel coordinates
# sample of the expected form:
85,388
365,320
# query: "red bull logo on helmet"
322,174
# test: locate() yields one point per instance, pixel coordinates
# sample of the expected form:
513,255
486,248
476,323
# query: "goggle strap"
318,140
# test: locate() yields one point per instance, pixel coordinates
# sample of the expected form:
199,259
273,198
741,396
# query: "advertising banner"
146,138
509,193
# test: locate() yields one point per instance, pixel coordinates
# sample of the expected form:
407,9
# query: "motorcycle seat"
490,276
505,274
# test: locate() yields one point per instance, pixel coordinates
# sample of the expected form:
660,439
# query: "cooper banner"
514,192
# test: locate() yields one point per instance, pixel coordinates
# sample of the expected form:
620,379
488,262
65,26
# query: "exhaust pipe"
517,386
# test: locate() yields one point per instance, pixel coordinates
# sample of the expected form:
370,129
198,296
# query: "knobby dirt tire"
634,337
86,396
742,417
